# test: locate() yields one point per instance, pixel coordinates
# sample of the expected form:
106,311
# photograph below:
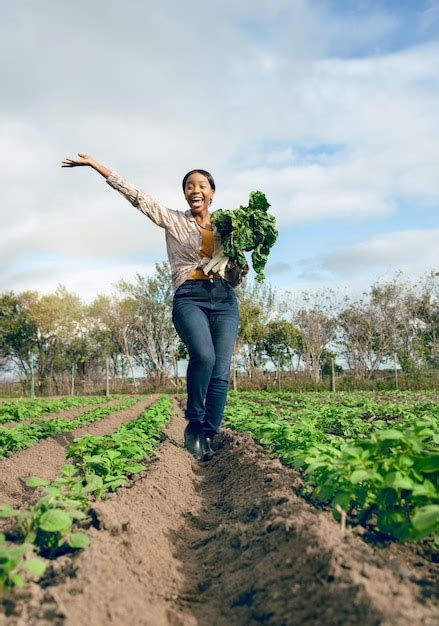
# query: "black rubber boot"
208,452
209,434
195,441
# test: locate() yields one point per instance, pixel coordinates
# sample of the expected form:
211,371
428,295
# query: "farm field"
317,509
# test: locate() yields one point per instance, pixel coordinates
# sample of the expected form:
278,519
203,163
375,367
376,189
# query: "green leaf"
68,470
343,498
7,511
359,476
427,489
77,514
352,451
78,540
325,492
55,520
398,481
389,520
405,461
134,468
17,580
115,483
112,454
35,481
94,483
35,566
428,464
31,536
426,518
390,435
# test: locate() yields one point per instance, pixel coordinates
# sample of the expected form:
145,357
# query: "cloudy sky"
328,107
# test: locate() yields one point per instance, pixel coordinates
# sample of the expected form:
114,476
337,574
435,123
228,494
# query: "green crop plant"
390,478
33,409
47,523
109,459
101,464
25,435
377,461
18,564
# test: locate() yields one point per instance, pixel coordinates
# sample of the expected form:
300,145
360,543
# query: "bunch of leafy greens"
247,228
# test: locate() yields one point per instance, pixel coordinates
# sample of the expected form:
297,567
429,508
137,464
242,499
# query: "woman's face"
198,193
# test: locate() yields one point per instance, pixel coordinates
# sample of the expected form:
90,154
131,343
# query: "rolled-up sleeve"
156,212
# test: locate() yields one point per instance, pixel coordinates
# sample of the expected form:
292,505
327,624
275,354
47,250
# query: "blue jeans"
206,317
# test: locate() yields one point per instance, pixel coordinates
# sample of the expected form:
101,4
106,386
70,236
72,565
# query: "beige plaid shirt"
183,237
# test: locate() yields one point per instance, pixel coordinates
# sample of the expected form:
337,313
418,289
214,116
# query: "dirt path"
219,544
45,457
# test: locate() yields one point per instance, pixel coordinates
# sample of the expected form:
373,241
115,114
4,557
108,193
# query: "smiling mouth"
197,201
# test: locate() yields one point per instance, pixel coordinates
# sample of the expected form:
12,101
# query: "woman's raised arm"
84,160
171,220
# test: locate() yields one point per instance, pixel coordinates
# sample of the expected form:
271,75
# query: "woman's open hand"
85,159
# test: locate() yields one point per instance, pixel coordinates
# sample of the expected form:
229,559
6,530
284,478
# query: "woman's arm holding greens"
84,160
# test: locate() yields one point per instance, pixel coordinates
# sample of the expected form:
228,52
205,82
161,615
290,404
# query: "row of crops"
18,410
51,525
24,435
375,460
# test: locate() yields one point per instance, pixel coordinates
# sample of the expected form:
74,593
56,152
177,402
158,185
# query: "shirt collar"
189,215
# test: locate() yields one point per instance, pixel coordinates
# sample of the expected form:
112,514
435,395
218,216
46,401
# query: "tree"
256,306
18,333
427,320
151,333
109,323
57,317
386,324
281,341
39,327
317,325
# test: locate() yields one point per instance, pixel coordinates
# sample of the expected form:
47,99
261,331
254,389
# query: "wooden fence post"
107,376
32,372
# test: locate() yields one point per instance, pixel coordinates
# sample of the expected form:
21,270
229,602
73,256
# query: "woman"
205,309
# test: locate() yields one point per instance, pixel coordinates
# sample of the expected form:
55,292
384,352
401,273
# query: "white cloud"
82,280
281,267
301,194
410,251
382,110
157,89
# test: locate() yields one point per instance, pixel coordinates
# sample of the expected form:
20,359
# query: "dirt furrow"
46,457
222,543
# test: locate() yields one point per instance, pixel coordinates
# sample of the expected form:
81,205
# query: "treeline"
56,337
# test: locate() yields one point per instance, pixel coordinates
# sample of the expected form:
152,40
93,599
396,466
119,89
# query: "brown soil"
222,543
45,457
66,414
